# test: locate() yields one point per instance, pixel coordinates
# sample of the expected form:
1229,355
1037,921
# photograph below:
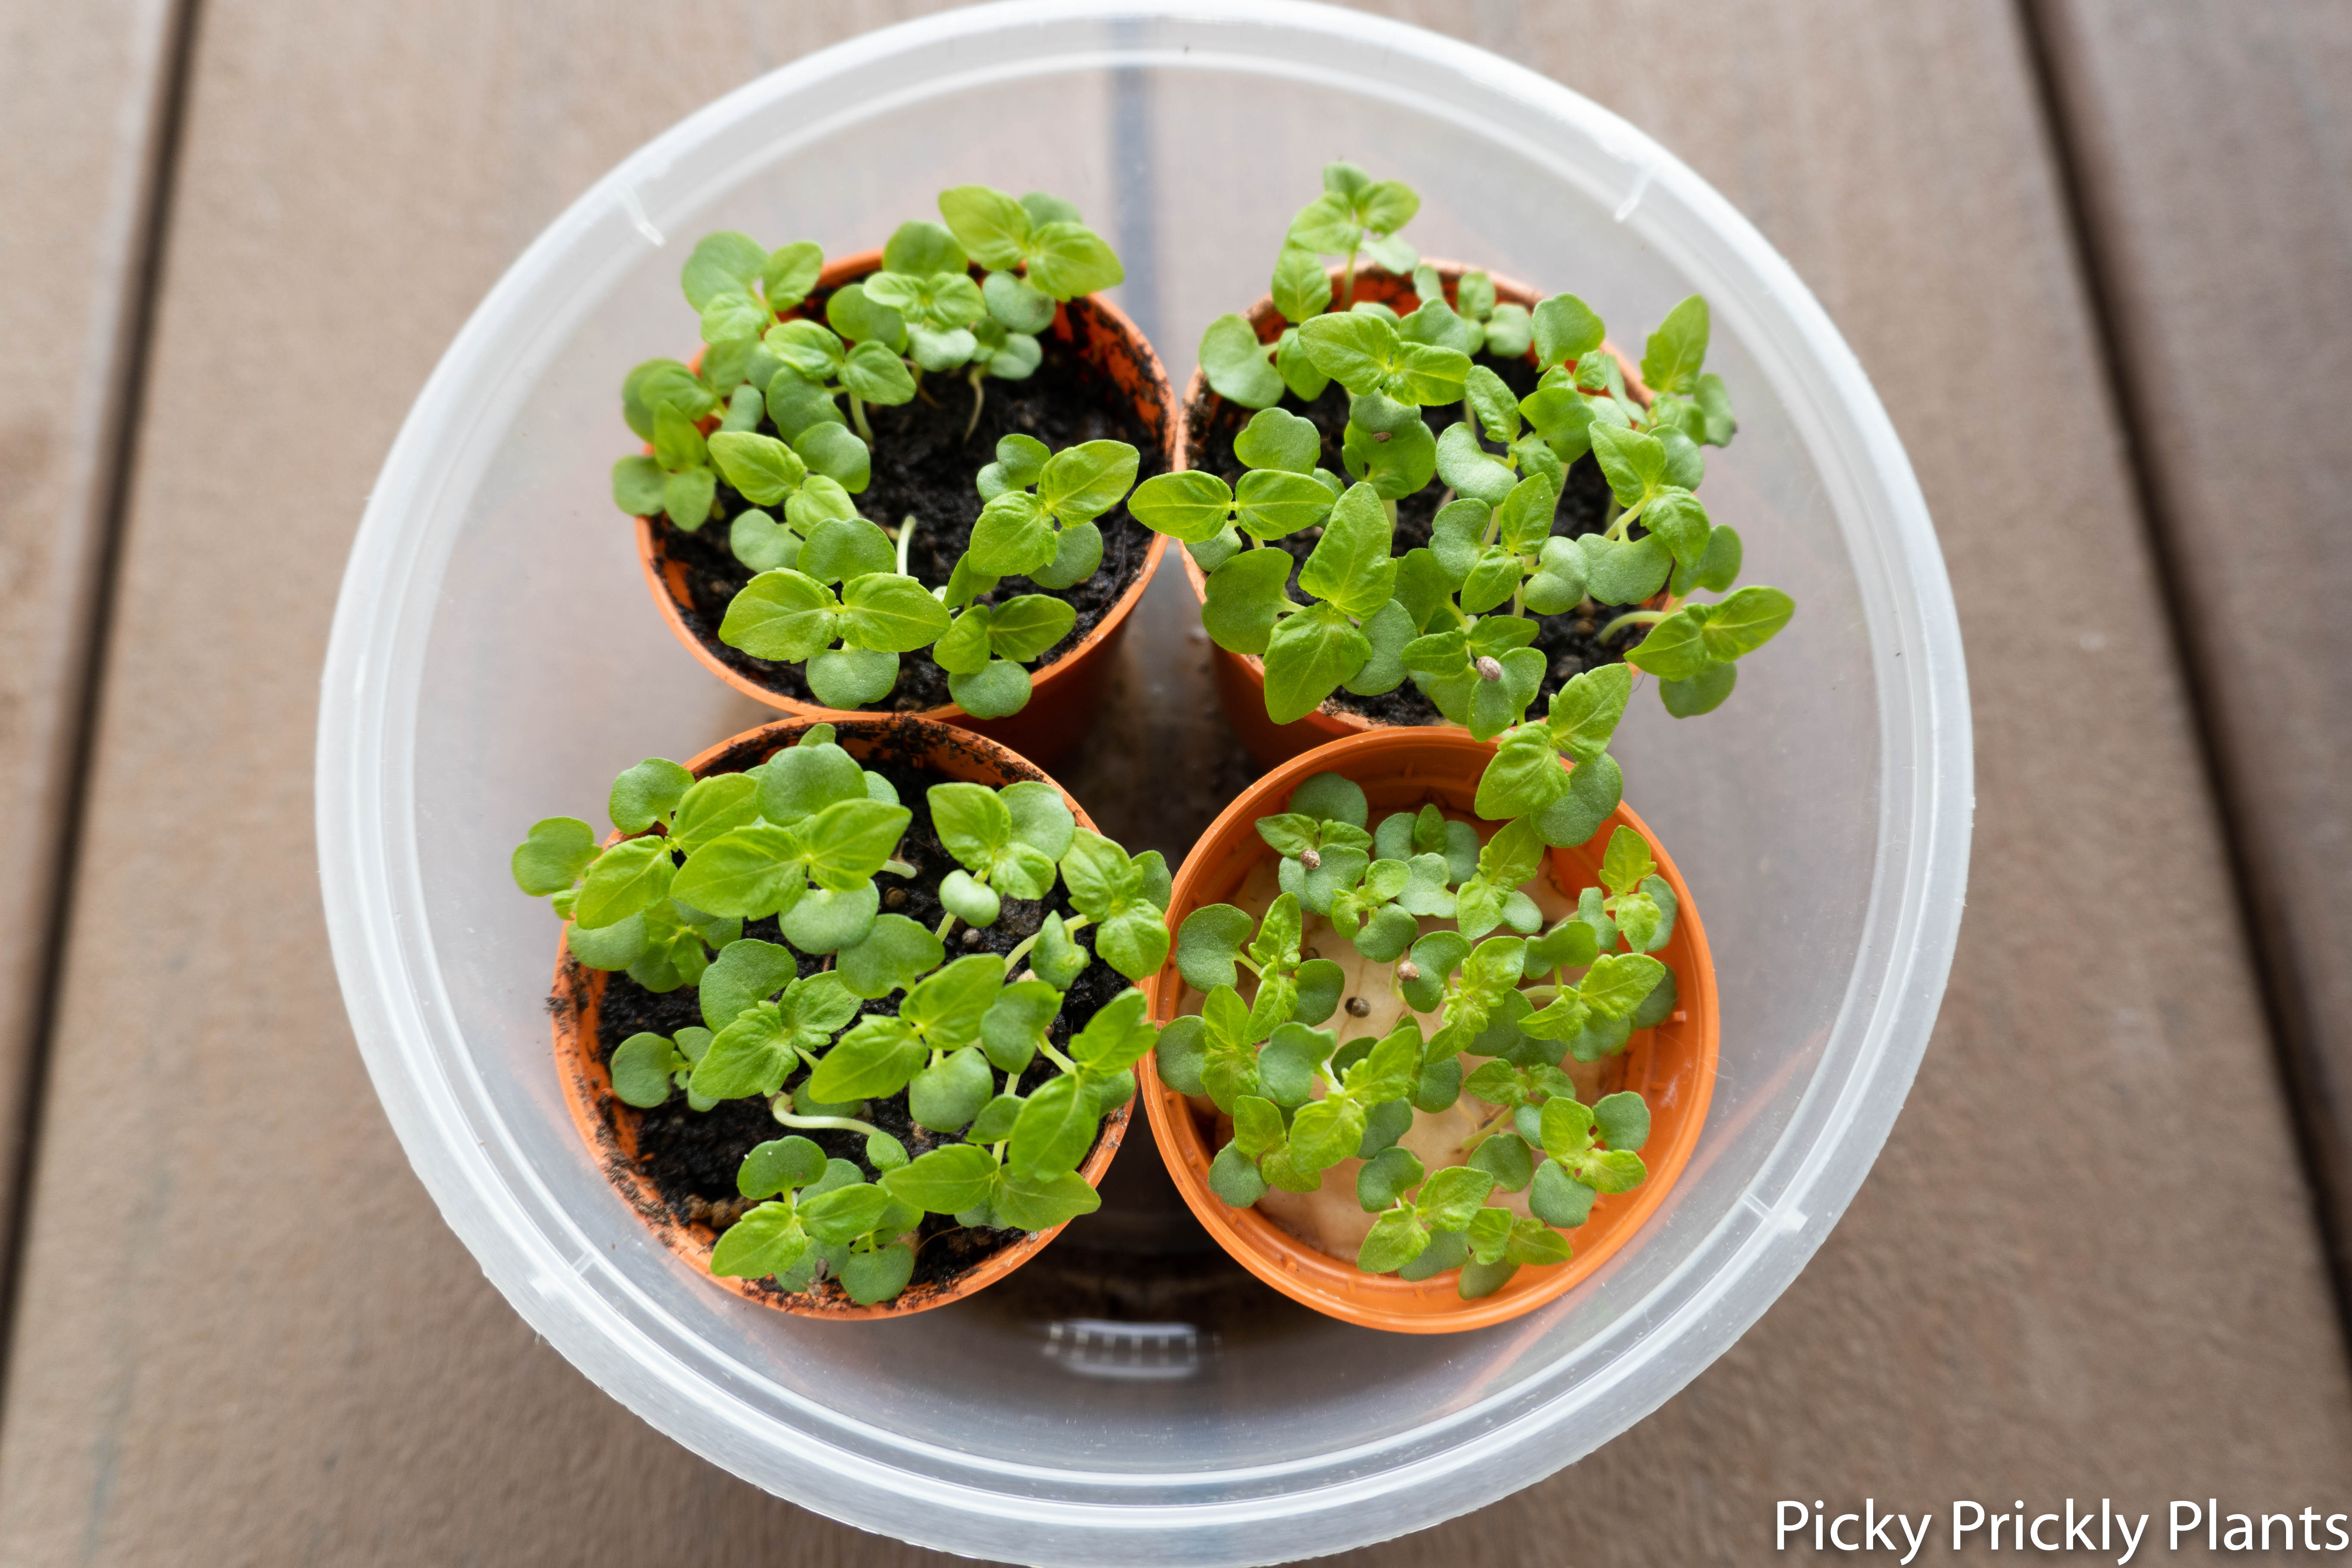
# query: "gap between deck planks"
2221,244
86,102
232,1274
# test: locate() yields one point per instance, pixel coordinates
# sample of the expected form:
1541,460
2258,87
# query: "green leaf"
1243,597
1746,622
1182,1052
779,1166
1627,861
1350,565
821,921
1080,483
1494,404
969,901
1396,1238
1021,307
1041,1203
1297,371
991,224
722,262
1190,505
1617,982
948,1095
553,856
1386,1177
1676,648
862,319
1565,330
1013,535
1715,409
1618,572
761,468
843,1213
1396,468
920,248
1676,350
1235,363
944,1181
761,542
879,1276
1068,259
1277,440
972,821
1306,657
1623,1120
1325,1132
769,1240
1450,1199
1701,693
873,1061
638,486
1077,550
890,614
1585,712
1351,348
1235,1178
687,496
1206,944
1013,1030
784,615
1555,1198
1301,287
624,880
892,955
753,1054
1270,504
642,1065
744,972
1506,1157
1510,332
1464,465
1058,958
647,794
1117,1037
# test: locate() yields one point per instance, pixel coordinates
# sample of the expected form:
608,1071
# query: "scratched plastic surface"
1127,1398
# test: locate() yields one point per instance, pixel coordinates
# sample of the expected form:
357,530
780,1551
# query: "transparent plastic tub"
495,659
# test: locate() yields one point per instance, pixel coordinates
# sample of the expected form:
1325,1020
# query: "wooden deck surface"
2090,1260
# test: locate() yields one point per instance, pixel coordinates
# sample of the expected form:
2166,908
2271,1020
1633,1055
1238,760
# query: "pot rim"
1333,1286
587,1080
856,265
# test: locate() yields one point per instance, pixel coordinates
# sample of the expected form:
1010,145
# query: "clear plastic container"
495,659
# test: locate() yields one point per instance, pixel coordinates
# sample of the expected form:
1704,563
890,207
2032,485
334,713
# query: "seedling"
771,413
1471,601
1496,985
855,1006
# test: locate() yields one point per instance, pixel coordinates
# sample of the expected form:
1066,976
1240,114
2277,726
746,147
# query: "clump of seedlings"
1444,1095
1529,490
853,1007
771,440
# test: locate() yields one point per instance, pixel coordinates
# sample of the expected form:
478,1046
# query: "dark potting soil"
692,1156
923,466
1570,641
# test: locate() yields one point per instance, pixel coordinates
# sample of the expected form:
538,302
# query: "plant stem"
906,539
1348,282
1389,506
947,925
858,418
1056,1058
1632,618
1021,949
978,397
831,1123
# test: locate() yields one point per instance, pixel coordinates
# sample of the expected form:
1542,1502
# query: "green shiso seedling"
1458,614
1462,947
831,591
856,1005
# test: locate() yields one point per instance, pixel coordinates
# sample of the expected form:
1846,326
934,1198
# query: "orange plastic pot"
1671,1066
1065,695
1241,678
608,1124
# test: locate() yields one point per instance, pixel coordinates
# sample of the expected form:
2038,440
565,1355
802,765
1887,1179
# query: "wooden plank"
2223,245
80,92
247,1337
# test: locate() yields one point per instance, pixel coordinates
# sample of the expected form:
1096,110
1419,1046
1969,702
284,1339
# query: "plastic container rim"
371,882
